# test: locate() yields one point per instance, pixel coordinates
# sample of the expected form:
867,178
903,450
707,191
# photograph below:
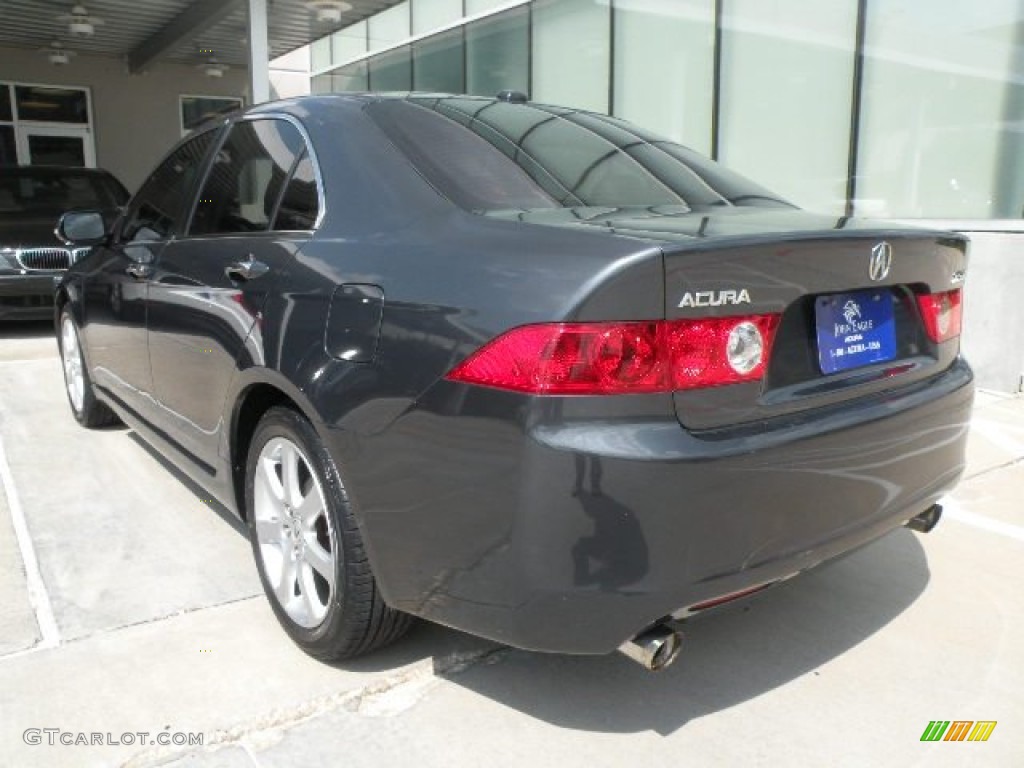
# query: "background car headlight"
7,259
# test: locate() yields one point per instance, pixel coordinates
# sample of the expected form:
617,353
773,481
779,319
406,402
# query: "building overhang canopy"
143,32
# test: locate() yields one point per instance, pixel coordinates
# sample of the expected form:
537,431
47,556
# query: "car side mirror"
82,228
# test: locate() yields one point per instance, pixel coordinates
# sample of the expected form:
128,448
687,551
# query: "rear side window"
247,176
494,156
299,204
158,208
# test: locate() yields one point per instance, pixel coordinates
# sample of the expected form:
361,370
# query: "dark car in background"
527,371
32,198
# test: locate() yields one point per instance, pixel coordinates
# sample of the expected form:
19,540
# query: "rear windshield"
45,191
489,156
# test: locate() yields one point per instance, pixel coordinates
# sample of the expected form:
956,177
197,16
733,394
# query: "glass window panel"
321,84
320,54
5,102
488,156
571,53
389,27
56,150
664,67
391,71
55,105
8,149
787,83
196,110
437,63
158,207
34,191
352,77
349,42
246,177
299,204
941,131
428,15
497,54
479,6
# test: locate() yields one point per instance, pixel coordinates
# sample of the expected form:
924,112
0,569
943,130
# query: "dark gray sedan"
530,372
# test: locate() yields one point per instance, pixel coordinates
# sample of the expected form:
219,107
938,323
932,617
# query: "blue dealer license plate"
855,329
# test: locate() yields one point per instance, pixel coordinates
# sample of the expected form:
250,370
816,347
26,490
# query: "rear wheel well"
256,401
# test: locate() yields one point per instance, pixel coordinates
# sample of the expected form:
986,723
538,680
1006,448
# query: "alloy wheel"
296,538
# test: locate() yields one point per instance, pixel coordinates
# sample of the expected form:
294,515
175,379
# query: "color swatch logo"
958,730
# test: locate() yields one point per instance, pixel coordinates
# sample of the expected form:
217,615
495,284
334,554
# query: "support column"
259,51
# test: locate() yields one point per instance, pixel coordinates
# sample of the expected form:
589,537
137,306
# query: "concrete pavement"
158,626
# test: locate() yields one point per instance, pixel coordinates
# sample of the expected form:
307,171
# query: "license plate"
855,329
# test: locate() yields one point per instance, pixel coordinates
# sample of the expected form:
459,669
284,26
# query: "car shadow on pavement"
219,509
35,329
728,657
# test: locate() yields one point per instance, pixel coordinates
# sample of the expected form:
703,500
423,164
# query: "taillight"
720,350
623,358
942,314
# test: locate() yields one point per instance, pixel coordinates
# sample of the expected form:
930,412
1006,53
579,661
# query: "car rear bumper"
26,297
530,522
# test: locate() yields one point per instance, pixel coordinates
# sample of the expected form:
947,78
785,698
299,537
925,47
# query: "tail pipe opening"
925,521
654,649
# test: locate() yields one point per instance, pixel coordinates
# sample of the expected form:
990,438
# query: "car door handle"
139,271
249,269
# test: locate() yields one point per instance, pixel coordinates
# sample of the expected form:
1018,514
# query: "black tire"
357,620
90,413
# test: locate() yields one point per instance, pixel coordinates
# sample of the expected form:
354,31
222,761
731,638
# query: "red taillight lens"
942,314
623,358
721,350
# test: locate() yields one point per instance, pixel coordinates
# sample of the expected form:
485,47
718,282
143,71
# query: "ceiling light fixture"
212,67
80,23
328,11
57,54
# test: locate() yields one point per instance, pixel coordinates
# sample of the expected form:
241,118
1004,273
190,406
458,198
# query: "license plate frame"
854,329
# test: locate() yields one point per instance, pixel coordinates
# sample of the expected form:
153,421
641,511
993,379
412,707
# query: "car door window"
246,178
300,203
158,208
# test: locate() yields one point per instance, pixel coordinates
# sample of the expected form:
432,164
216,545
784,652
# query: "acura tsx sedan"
526,371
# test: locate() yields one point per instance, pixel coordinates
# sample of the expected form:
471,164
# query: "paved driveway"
129,605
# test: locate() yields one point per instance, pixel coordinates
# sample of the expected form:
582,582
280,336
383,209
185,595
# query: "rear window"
27,191
489,156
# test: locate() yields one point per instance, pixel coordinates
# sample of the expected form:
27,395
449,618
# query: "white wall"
135,117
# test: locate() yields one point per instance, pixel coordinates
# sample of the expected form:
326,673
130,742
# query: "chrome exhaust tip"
655,649
924,522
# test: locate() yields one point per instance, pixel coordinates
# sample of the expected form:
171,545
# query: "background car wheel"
308,547
87,410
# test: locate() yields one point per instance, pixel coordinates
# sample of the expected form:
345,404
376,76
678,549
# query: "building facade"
895,108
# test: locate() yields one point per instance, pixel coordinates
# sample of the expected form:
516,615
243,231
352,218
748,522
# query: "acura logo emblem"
881,261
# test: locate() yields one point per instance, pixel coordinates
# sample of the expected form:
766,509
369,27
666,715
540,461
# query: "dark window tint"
246,177
8,152
158,207
34,191
299,204
54,105
5,102
56,150
490,156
